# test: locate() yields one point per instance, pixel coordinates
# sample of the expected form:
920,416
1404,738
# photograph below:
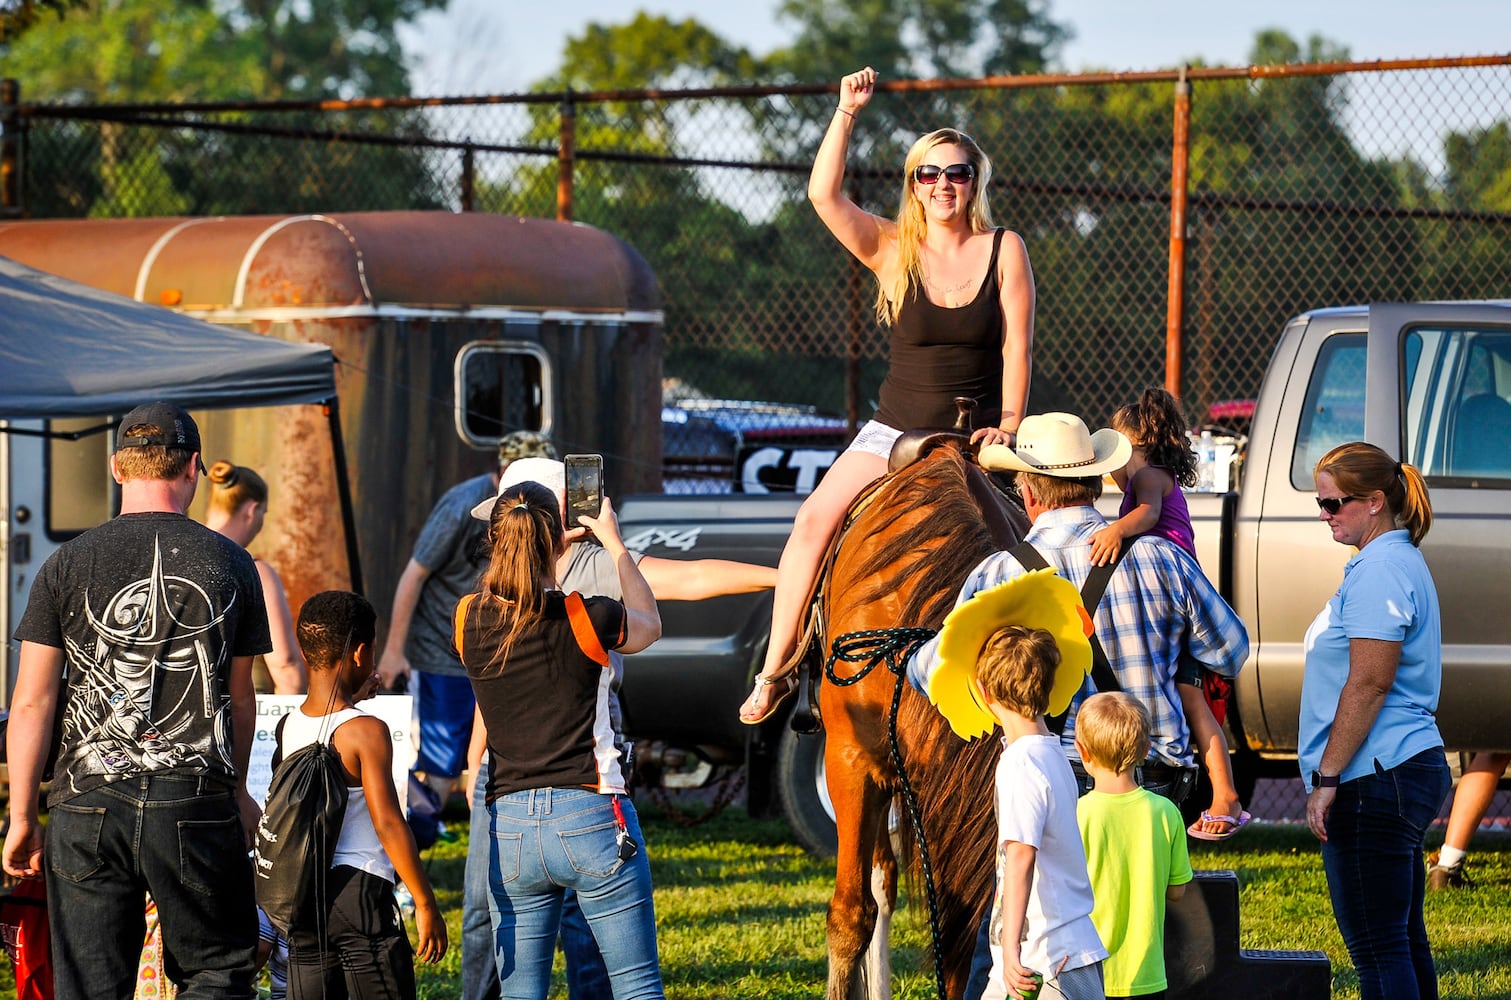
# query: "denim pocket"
73,849
207,852
593,850
505,861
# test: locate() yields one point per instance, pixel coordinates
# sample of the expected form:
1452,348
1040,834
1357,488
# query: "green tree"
918,38
171,51
19,15
179,50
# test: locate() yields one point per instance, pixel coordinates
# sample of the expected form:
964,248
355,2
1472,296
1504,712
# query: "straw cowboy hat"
1059,445
1038,599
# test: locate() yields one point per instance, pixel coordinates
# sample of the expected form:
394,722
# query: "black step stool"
1203,960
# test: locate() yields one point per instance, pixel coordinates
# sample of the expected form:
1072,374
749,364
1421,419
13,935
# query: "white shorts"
875,438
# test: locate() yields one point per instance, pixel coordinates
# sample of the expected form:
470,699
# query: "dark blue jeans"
587,975
178,837
1373,860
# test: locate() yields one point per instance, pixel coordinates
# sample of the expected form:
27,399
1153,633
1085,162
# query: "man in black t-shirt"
136,672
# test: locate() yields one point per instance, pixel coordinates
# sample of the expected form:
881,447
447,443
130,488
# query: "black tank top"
938,353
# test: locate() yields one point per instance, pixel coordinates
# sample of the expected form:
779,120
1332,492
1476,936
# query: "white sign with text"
396,711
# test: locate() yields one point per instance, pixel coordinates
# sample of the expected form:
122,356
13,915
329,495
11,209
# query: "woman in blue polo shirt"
1370,749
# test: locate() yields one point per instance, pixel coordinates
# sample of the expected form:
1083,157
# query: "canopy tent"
70,350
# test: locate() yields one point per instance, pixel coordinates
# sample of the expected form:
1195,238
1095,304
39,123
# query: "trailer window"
1334,408
1458,406
79,487
501,387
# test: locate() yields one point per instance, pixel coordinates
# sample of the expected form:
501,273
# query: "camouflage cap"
524,444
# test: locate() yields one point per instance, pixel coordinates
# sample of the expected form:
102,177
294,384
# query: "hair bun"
224,474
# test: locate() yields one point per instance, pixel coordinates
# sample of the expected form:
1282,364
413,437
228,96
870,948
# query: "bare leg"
1212,748
1472,799
817,520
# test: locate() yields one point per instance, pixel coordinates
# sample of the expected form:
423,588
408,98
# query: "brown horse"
906,549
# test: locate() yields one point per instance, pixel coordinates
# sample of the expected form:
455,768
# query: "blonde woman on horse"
958,296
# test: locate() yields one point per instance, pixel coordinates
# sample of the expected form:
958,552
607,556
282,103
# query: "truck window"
1458,406
1334,410
501,386
79,487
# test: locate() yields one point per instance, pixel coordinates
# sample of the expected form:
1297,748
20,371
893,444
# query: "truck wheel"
804,793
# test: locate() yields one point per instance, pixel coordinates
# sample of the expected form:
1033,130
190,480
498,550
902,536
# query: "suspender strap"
1102,674
582,628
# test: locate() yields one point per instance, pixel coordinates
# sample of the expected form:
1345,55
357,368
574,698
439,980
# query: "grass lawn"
740,909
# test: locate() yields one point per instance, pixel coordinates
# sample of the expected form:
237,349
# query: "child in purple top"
1153,504
1161,463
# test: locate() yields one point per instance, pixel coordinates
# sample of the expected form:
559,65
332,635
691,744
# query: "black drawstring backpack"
296,837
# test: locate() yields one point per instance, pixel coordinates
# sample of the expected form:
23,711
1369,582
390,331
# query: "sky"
502,46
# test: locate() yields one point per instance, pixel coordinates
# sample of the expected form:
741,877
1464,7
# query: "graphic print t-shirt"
149,610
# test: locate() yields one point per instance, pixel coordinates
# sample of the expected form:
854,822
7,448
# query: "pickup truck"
1430,382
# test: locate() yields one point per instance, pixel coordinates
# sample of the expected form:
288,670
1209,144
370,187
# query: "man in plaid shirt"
1158,603
1158,606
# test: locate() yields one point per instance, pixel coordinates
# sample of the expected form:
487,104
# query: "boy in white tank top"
359,948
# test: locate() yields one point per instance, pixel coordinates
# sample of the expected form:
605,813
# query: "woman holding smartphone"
958,295
556,811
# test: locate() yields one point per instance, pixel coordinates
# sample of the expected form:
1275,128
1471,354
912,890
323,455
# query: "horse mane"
928,561
931,558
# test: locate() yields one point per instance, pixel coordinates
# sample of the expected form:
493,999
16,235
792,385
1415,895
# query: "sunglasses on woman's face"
955,173
1334,504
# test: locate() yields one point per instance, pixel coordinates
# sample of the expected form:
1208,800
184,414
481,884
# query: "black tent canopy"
69,350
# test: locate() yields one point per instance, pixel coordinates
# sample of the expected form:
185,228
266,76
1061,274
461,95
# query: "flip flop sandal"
789,685
1234,825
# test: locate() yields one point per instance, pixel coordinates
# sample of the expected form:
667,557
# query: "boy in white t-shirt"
1041,916
356,945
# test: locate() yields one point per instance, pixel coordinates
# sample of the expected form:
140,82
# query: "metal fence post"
565,155
469,179
1176,296
11,205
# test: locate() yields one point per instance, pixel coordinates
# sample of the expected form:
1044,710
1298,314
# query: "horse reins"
894,646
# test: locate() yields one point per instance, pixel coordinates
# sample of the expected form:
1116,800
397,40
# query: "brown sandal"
789,685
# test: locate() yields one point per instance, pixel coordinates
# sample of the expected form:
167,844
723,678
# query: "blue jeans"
587,975
176,836
544,842
1373,860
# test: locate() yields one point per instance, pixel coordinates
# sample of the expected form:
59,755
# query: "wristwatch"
1320,780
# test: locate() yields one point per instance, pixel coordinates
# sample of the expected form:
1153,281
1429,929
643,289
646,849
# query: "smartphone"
584,487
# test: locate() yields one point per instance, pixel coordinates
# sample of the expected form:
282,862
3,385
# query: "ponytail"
524,537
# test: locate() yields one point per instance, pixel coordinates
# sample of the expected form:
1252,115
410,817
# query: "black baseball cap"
176,429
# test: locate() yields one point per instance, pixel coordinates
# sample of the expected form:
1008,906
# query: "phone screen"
584,487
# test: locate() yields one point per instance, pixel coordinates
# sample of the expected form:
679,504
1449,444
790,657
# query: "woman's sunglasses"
1334,504
955,173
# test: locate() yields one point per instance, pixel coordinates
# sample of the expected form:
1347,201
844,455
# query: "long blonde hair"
912,225
525,538
1360,468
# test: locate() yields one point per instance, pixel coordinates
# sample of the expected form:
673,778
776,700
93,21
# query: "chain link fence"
1304,186
1175,221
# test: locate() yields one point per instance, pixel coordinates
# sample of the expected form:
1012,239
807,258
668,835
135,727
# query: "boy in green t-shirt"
1135,846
